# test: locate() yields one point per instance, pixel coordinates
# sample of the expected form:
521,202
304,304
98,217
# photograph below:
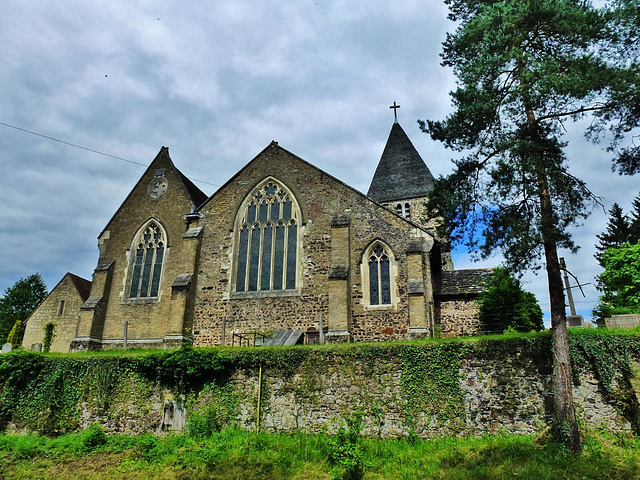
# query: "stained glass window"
379,276
147,264
267,241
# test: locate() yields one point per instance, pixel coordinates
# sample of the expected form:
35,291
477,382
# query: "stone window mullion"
147,262
271,254
378,263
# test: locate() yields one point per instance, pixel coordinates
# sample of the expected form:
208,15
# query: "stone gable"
62,308
149,319
321,198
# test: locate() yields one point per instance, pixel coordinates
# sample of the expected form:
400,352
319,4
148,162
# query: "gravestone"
6,348
576,320
36,347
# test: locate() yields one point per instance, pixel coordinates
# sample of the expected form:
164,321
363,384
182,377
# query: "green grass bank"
234,454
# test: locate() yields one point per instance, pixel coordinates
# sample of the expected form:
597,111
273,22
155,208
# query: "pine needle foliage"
524,67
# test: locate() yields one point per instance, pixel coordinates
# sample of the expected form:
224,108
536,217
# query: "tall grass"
234,454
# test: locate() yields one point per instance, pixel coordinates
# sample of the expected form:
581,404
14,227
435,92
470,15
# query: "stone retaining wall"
506,388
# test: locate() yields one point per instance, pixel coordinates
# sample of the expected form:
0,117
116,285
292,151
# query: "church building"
282,253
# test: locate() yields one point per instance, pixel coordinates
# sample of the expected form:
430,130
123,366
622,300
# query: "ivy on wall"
609,357
45,392
431,379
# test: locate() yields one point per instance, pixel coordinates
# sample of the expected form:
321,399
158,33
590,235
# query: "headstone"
6,348
36,347
173,417
575,320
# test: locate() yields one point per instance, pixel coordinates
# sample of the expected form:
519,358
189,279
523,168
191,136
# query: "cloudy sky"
216,82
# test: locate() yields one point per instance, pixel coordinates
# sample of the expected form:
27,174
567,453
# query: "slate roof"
82,286
461,283
401,172
197,196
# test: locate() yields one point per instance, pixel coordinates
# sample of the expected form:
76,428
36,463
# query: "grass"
235,454
338,347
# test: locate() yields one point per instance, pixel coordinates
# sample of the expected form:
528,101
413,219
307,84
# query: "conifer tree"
524,67
506,305
618,231
634,221
17,304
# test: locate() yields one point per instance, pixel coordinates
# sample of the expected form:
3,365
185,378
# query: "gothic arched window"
379,276
267,241
379,271
148,253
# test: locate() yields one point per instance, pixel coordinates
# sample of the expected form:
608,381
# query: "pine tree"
634,221
524,67
618,231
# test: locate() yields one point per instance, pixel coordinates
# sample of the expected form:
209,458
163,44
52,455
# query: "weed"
346,452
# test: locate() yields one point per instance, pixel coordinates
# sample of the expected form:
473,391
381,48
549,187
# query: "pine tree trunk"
565,426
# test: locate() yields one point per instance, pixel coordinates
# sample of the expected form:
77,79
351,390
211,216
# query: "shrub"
49,335
346,452
94,437
212,410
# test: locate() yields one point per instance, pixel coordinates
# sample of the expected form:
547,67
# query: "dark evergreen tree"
17,304
505,305
618,231
523,68
634,221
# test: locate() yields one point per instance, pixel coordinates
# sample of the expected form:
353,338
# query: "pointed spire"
401,172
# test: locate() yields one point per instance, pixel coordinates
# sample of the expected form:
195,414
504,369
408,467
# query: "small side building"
62,308
457,310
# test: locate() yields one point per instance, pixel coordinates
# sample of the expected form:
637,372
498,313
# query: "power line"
92,150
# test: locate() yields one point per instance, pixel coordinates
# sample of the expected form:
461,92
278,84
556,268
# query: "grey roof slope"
401,172
197,196
82,285
461,283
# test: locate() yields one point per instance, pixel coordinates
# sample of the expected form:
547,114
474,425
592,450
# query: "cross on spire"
395,111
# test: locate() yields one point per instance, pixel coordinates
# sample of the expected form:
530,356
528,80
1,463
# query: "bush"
506,306
49,336
212,410
94,437
346,452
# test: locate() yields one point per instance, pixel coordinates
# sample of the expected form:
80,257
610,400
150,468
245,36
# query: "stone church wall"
458,317
147,318
49,312
321,199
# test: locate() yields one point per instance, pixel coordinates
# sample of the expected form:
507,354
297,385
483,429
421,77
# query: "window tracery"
379,275
147,262
267,241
